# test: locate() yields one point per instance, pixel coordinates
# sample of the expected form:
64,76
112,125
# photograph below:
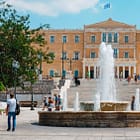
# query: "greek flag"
107,5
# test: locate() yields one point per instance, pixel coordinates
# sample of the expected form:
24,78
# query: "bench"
27,103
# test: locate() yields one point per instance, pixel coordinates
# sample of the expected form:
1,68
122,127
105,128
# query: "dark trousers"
13,116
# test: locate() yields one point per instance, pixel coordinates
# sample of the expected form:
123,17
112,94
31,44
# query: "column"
130,71
123,72
88,68
118,74
84,70
134,69
94,71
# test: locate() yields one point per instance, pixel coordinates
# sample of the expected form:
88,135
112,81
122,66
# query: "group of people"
136,78
50,103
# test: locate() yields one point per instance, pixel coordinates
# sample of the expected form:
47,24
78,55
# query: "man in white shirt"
11,106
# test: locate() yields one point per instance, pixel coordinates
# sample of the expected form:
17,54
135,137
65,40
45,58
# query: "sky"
74,14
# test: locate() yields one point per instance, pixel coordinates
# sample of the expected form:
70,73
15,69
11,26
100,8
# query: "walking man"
11,106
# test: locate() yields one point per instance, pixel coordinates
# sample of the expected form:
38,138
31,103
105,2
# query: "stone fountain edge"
114,119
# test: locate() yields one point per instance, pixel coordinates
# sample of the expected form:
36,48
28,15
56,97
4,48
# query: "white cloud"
53,7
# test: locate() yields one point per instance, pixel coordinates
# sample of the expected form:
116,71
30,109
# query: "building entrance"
91,73
126,73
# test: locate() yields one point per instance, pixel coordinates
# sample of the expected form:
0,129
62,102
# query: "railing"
116,59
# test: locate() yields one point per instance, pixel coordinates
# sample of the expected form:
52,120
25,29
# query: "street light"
15,65
32,93
70,61
62,61
40,67
32,98
70,72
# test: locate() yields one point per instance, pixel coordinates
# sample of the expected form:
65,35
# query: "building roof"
110,24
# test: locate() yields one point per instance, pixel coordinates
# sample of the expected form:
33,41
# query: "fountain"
105,98
76,102
104,110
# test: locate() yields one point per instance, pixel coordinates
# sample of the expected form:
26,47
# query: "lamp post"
40,66
70,72
32,98
62,60
32,93
15,65
70,61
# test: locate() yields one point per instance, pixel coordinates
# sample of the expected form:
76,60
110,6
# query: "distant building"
79,49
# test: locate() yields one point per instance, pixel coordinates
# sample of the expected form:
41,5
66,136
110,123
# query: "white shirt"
11,105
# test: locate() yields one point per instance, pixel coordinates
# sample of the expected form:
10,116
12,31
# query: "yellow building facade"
78,50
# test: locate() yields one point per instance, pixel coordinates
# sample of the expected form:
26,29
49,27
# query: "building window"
93,39
115,54
103,37
76,73
126,55
109,37
126,38
76,55
64,39
63,73
77,39
52,39
93,55
52,73
115,37
64,55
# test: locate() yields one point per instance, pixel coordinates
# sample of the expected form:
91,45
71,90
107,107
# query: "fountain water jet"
106,86
106,90
76,102
137,100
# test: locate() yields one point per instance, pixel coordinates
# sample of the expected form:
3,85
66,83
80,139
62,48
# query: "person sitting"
59,103
55,99
45,103
50,104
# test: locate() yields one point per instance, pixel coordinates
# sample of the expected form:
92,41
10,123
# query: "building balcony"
117,60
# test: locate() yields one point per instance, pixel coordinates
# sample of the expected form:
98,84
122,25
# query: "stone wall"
90,119
40,89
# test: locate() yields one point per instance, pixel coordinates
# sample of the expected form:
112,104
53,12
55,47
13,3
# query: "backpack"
17,111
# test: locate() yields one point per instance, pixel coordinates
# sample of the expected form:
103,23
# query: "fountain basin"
106,106
114,119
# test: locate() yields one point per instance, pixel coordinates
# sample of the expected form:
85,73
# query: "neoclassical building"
78,50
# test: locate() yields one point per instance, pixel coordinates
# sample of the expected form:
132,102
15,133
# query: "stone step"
87,91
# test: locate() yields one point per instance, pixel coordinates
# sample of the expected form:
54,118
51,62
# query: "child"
50,104
45,103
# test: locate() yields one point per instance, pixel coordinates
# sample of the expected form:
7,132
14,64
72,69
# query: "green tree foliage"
2,87
16,43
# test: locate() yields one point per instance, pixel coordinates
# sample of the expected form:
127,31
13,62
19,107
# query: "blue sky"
74,14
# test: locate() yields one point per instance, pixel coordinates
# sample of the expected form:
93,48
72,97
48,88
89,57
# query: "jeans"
13,115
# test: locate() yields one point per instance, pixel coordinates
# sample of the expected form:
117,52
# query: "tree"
17,42
2,88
